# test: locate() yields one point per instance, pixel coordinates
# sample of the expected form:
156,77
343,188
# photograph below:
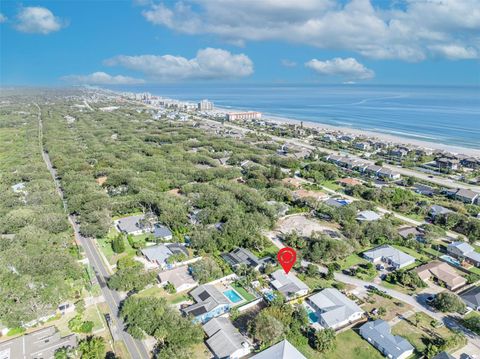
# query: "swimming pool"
233,296
312,317
451,260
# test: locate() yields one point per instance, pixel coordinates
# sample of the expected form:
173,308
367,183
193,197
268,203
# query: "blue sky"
324,41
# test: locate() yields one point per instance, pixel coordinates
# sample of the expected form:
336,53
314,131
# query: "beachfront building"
390,256
378,333
250,115
205,105
333,309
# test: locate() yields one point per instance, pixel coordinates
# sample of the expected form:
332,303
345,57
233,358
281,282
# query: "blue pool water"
233,296
312,317
451,260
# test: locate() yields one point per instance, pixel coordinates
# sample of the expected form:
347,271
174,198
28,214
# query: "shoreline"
396,139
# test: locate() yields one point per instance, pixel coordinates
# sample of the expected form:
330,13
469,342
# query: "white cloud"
3,18
410,31
102,78
208,64
38,20
288,63
348,68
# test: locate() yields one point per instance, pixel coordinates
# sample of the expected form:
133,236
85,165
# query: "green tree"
448,302
118,244
324,340
206,270
267,329
92,348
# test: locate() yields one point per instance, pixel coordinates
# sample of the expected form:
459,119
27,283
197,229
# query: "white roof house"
288,284
179,277
224,340
378,333
389,255
367,216
334,309
281,350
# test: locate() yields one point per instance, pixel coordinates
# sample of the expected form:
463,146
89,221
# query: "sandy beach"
366,133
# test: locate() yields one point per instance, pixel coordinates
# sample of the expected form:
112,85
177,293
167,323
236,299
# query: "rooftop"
390,253
223,338
379,333
281,350
287,283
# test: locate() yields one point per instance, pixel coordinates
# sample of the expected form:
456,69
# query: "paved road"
441,181
136,348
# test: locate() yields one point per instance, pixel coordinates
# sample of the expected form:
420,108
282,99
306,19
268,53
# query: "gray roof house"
281,350
242,256
160,253
443,355
224,340
388,174
334,310
131,225
162,232
378,333
471,297
209,303
367,216
389,255
438,210
288,284
467,196
464,251
40,344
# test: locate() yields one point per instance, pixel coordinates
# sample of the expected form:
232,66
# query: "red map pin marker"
287,257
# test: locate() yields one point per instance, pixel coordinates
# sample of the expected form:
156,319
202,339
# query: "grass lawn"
243,292
392,307
413,253
162,293
433,252
351,345
201,351
351,260
105,246
419,335
92,314
331,185
401,288
270,251
315,282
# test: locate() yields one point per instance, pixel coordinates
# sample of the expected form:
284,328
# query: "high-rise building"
205,105
232,116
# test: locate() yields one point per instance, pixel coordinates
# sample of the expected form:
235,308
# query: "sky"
412,42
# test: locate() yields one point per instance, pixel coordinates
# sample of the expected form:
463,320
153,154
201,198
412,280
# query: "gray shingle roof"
207,297
472,297
241,256
129,224
161,231
223,338
388,252
282,350
287,283
334,306
379,333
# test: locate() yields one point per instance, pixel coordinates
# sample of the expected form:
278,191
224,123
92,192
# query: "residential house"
412,233
162,233
390,256
399,152
467,196
471,297
443,355
464,252
367,216
424,190
447,163
470,162
329,138
39,344
209,303
160,253
281,350
243,256
378,333
363,146
288,284
336,202
372,170
333,309
441,272
349,182
179,277
134,225
386,173
346,138
438,211
224,340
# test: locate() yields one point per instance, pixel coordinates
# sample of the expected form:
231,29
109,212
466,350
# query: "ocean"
439,114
